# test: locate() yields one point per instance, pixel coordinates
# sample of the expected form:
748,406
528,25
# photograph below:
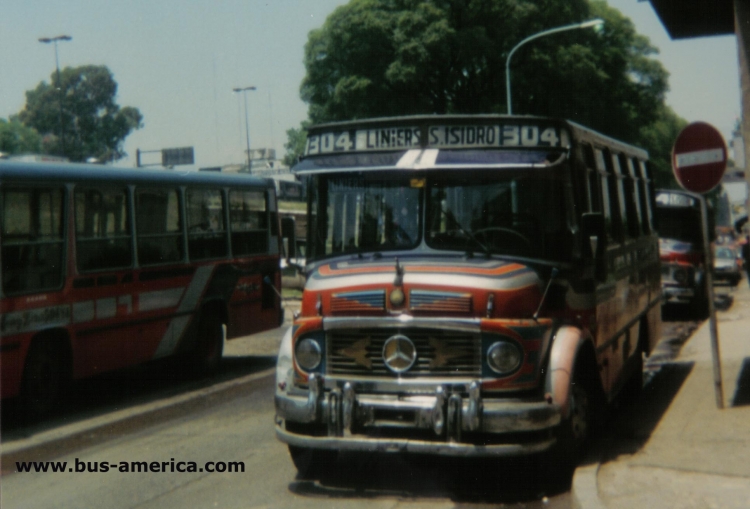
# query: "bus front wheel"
312,463
572,435
45,377
206,357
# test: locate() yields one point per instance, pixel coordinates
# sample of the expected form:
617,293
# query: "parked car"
727,265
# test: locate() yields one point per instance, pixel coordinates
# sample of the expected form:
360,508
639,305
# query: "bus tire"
209,348
312,463
572,435
46,375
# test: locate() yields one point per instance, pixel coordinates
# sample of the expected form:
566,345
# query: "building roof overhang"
695,18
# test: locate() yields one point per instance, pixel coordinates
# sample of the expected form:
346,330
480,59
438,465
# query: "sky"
177,61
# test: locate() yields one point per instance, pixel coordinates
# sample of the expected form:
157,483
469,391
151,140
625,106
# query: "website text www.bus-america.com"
125,467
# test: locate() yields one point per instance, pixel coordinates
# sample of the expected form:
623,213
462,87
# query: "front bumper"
450,419
678,293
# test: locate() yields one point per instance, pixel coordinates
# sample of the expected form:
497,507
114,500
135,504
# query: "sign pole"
699,159
715,352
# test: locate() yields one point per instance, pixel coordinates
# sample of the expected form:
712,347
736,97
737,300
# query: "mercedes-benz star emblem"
399,353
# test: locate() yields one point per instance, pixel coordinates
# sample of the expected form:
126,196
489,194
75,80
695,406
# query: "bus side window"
32,239
248,222
609,199
207,235
632,206
592,177
158,226
645,195
103,236
619,181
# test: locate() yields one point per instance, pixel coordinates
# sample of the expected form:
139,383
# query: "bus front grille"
438,353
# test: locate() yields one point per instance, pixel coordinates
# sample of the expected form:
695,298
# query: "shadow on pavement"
122,389
742,394
372,476
631,424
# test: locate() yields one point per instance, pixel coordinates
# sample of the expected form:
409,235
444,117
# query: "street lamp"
593,23
247,129
47,40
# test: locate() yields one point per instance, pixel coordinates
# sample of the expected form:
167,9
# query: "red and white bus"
476,286
104,268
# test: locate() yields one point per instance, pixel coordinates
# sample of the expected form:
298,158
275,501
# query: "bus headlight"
308,354
680,275
504,357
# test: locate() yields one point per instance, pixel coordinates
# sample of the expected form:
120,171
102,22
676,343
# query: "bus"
293,217
104,268
475,286
684,268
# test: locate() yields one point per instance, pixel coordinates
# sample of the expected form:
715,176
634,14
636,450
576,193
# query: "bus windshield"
508,212
519,212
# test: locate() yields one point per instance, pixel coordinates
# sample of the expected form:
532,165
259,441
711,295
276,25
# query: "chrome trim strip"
491,416
395,445
393,322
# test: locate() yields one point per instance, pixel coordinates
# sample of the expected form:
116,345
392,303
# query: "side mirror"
595,240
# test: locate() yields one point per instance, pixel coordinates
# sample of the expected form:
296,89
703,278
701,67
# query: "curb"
584,488
64,439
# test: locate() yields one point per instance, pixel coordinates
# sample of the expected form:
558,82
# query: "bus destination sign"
438,136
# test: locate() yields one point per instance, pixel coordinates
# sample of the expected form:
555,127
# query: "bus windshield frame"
517,211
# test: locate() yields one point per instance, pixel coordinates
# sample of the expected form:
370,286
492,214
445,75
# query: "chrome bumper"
450,410
677,293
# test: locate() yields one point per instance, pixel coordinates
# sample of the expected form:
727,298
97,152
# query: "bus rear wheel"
45,378
206,357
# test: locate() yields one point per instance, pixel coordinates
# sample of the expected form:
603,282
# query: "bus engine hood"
438,287
676,251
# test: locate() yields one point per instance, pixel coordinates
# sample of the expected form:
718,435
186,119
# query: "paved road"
241,431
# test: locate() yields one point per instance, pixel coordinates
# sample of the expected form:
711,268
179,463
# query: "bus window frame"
63,239
99,187
608,193
182,233
224,231
647,195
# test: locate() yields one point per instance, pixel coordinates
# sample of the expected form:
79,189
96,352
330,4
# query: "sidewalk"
696,456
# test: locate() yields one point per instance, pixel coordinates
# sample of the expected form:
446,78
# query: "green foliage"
295,144
16,138
658,138
93,125
376,58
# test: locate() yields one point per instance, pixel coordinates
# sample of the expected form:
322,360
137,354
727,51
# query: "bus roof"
395,142
67,172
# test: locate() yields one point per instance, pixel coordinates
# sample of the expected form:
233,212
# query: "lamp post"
47,40
247,129
593,23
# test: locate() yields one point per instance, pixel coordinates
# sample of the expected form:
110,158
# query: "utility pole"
47,40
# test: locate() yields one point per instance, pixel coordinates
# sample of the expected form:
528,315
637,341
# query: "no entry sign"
699,157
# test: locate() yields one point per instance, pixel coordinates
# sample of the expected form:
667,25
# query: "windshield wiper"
450,217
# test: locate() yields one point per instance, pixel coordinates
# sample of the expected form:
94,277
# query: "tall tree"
93,125
295,144
16,138
375,58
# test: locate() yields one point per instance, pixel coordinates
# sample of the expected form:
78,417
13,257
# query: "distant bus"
475,286
290,190
103,268
684,273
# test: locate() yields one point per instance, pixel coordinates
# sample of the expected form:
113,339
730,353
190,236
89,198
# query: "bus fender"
566,345
284,367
